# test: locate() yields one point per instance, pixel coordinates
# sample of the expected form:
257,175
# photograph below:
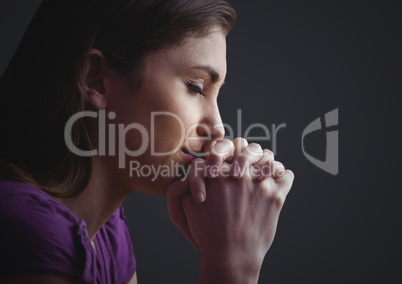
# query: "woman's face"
173,103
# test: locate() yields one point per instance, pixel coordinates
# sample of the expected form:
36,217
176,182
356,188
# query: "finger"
221,151
266,170
250,155
196,180
286,181
267,155
278,170
239,144
174,194
264,166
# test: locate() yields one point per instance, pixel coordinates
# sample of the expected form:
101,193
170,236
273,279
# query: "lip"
186,156
191,155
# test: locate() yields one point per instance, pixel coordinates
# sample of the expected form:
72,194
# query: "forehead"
209,50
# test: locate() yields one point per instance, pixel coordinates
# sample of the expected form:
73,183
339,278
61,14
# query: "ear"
96,65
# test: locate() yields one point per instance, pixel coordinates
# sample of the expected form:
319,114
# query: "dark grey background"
290,62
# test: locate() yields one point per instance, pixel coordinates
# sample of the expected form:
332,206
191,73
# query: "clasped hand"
229,203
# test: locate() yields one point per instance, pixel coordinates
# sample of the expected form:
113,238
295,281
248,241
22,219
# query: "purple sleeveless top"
39,234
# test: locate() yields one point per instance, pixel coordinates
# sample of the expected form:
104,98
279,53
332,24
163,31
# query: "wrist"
229,270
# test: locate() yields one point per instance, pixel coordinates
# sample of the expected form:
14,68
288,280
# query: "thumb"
174,194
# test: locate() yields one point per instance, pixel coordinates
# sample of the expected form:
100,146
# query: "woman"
97,92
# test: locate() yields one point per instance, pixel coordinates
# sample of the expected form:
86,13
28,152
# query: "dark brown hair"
40,89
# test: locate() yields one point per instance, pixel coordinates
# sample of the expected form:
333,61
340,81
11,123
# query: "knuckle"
278,167
240,141
277,198
278,164
255,146
224,140
222,147
254,149
267,152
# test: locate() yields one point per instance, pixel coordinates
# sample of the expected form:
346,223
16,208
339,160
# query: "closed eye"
195,88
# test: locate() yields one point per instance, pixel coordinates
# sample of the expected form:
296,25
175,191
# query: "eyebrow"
211,71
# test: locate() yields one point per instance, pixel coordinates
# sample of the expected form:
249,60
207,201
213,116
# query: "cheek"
168,131
165,111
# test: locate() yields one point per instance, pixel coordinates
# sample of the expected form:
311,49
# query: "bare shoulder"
38,278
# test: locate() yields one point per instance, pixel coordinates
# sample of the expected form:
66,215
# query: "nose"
211,124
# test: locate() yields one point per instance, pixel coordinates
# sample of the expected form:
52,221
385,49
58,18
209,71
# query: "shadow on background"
291,62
